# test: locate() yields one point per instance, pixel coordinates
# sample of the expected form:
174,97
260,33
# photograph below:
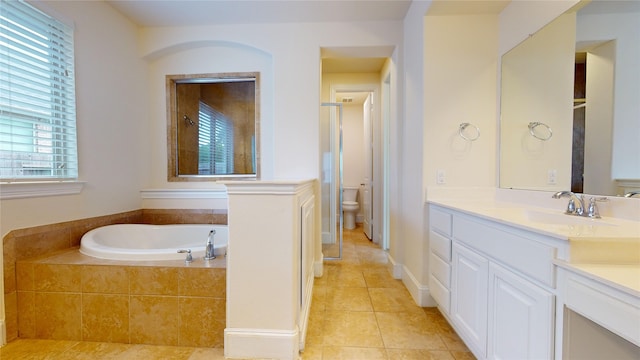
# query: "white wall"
113,142
460,63
407,214
290,146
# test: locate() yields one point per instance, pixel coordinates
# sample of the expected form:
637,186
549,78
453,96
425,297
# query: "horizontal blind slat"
37,95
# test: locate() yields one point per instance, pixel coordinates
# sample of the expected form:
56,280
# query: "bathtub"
143,242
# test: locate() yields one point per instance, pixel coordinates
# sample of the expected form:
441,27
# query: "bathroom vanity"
504,274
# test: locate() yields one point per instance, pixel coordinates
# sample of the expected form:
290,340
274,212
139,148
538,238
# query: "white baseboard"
318,267
419,292
263,344
3,332
394,268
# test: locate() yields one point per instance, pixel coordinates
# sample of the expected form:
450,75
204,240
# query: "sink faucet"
209,249
576,205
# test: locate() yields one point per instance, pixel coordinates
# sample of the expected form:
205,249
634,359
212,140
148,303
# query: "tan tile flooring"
358,312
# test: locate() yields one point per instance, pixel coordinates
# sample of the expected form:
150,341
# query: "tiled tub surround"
70,296
23,244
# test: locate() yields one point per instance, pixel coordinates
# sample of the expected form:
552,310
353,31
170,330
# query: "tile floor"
359,312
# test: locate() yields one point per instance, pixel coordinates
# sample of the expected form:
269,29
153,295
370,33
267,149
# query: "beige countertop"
550,222
624,277
606,250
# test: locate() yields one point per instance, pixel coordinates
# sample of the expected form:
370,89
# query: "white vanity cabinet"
502,285
440,258
521,317
469,294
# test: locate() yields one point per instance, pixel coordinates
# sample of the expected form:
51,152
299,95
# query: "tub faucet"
632,194
575,205
209,249
189,258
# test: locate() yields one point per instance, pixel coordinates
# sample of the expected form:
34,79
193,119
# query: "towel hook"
461,129
535,124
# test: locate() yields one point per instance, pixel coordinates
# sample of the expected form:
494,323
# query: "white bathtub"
152,242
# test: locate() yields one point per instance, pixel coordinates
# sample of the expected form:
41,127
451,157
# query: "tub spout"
209,249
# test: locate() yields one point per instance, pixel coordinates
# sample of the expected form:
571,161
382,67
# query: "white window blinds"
37,96
214,128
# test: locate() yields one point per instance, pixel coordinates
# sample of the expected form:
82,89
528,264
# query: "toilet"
349,206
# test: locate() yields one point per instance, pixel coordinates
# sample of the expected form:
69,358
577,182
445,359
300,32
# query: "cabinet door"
469,297
520,317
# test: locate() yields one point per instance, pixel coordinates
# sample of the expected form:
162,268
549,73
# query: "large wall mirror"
213,126
569,103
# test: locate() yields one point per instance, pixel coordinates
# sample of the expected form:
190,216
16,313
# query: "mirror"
566,103
213,126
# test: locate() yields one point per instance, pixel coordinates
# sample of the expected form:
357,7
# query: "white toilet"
349,206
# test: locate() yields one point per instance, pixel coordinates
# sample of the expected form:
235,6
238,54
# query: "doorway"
345,77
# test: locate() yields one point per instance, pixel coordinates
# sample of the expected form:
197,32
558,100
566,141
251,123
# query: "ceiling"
151,13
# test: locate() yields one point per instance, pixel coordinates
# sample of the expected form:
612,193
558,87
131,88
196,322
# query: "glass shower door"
331,179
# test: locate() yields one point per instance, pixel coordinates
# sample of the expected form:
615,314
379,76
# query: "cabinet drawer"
440,294
523,254
440,269
440,245
440,221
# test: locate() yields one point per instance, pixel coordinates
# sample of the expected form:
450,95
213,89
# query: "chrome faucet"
189,258
209,249
632,194
576,205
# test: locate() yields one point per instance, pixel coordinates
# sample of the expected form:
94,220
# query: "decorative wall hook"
473,137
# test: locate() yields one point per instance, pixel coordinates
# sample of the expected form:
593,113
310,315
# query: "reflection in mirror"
537,84
213,131
596,141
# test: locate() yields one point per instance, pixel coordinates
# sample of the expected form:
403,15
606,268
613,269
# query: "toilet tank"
349,193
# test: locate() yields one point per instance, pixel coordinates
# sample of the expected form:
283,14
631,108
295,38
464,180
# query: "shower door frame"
335,190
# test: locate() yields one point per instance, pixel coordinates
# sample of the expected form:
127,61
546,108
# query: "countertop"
606,250
550,222
624,277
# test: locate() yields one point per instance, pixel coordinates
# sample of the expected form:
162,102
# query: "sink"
563,219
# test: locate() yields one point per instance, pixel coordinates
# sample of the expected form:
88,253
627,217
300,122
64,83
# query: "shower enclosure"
331,179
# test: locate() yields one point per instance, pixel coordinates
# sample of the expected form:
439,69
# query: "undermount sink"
564,219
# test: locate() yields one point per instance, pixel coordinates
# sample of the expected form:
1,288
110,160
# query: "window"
214,128
37,96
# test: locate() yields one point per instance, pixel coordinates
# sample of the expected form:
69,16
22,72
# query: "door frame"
382,147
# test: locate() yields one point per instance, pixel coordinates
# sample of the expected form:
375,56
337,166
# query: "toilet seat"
349,203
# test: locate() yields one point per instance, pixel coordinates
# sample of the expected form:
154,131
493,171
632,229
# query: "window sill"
21,190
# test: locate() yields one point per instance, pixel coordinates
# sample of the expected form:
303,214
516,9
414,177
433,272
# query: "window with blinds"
214,128
37,96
